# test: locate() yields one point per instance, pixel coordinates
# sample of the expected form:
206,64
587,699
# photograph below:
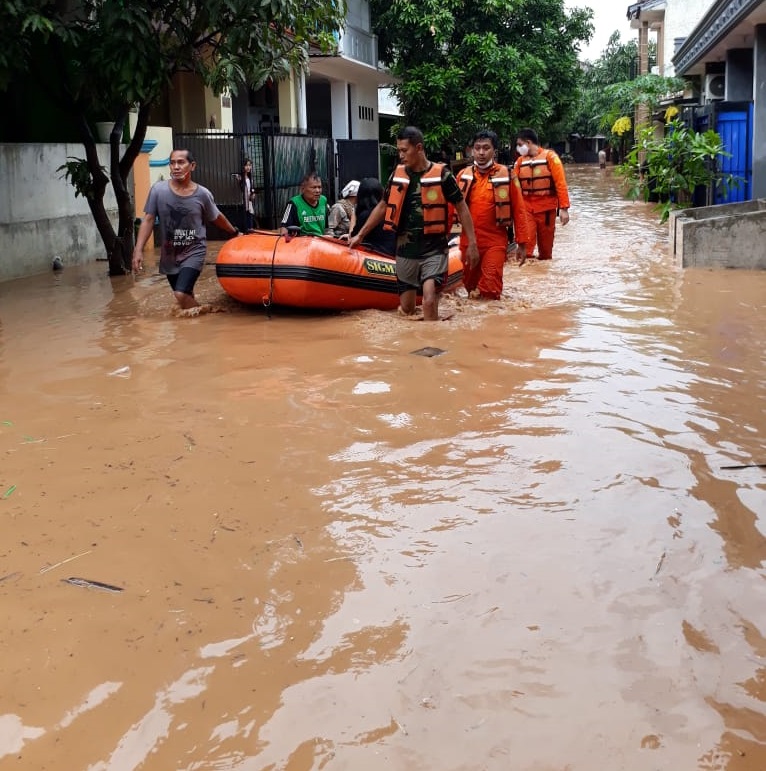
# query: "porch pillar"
642,113
301,93
287,96
339,98
739,75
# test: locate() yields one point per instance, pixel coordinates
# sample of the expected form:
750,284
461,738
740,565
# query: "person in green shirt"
307,211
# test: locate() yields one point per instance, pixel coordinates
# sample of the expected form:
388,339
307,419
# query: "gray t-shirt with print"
183,231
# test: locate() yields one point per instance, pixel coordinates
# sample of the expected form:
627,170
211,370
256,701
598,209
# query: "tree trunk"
121,255
121,250
118,244
97,191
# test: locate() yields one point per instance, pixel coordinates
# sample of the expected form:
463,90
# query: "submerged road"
257,543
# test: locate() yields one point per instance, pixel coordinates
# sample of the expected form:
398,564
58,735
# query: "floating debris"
91,584
428,351
64,562
9,492
121,372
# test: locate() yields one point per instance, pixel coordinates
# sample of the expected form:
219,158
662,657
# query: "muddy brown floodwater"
541,550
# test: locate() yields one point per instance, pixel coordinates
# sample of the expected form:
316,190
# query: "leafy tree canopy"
498,64
611,88
99,58
618,63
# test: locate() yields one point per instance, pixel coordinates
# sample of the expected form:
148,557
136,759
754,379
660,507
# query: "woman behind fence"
245,179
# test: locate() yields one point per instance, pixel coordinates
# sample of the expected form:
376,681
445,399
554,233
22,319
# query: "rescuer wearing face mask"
544,186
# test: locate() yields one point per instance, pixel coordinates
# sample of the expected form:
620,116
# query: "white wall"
358,14
681,17
40,217
387,102
365,95
339,108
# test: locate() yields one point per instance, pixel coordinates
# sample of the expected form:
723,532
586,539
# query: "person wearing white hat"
340,220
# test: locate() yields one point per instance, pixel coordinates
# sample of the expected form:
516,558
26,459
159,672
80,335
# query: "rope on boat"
292,232
268,300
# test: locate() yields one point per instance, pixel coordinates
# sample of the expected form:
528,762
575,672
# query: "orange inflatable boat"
312,272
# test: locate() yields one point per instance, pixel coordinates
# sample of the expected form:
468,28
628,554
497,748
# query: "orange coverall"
542,209
491,238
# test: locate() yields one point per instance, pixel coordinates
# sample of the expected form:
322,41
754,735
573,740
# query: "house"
720,47
722,53
342,95
669,22
331,114
326,119
337,98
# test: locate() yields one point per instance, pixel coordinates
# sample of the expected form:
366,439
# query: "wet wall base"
724,236
40,216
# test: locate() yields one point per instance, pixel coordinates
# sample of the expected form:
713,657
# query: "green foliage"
19,20
594,111
611,88
77,172
674,165
114,53
647,90
498,64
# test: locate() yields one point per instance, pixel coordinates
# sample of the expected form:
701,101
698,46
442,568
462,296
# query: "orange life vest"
435,219
501,178
535,176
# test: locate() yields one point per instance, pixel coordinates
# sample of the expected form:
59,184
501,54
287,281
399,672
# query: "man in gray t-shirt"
183,208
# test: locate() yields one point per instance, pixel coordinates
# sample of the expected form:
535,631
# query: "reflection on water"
524,553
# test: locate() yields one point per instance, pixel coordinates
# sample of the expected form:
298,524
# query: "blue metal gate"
734,129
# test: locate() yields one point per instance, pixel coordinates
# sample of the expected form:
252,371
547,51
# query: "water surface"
530,552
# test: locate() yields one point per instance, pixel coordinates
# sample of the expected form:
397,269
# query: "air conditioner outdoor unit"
715,87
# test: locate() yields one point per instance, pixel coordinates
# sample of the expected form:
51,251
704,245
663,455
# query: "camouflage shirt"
411,241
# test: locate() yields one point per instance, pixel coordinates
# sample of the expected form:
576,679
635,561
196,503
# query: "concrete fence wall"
730,235
40,217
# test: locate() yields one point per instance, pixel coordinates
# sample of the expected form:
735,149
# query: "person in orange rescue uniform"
494,199
544,186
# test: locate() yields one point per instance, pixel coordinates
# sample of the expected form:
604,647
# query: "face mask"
523,149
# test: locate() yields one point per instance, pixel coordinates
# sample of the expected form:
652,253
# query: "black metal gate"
280,162
357,159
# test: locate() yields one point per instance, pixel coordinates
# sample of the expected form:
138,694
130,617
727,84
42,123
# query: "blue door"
734,130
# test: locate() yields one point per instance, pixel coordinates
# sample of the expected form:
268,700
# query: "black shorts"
184,280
